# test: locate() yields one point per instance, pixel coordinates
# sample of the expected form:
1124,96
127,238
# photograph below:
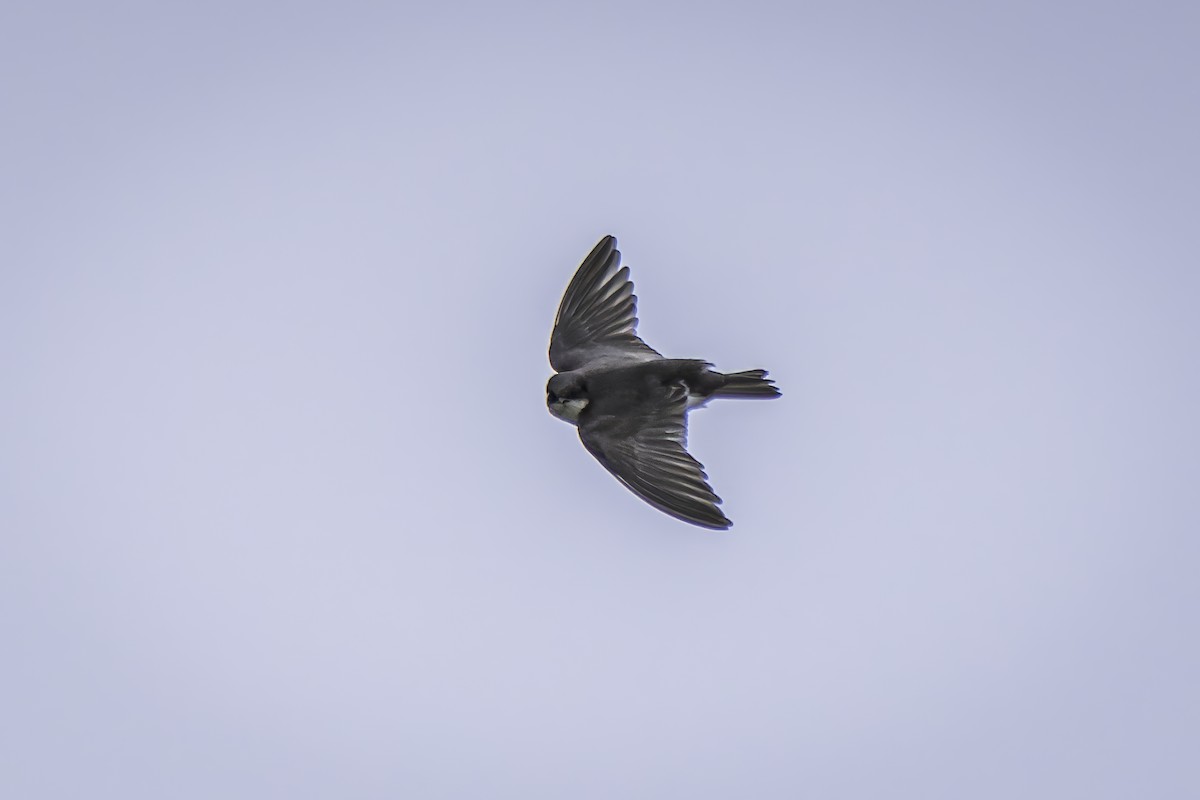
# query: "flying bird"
629,403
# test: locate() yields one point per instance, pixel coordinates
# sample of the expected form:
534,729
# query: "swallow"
629,403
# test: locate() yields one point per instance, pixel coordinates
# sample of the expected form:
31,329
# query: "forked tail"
751,383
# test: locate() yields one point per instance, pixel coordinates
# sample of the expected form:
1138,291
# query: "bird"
629,403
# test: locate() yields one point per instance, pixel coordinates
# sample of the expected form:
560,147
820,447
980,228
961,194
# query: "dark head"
566,396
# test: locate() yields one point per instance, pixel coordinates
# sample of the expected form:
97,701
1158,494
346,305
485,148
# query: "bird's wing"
645,450
597,319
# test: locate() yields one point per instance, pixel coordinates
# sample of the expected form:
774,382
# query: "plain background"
284,515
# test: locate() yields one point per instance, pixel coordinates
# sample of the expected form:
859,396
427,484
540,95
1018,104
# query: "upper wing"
645,451
597,319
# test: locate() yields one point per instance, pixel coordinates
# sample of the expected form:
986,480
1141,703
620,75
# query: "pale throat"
568,409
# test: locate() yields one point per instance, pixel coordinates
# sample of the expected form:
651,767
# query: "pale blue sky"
283,511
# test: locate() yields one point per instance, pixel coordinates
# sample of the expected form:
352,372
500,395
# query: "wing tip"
715,520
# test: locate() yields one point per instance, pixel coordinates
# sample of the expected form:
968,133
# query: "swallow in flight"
629,403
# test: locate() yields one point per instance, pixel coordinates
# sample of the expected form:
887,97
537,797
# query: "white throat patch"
568,410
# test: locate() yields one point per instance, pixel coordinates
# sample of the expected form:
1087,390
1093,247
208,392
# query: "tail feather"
751,383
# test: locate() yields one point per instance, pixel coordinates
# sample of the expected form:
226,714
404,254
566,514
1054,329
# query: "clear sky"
282,511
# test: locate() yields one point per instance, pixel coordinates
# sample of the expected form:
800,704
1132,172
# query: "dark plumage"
629,403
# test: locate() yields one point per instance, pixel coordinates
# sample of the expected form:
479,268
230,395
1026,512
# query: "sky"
282,511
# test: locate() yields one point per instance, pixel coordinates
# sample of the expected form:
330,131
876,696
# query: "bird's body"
616,388
630,403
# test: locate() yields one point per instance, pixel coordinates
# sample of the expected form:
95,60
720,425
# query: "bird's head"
566,396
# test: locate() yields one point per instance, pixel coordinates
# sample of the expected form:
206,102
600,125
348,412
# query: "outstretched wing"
597,319
645,450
